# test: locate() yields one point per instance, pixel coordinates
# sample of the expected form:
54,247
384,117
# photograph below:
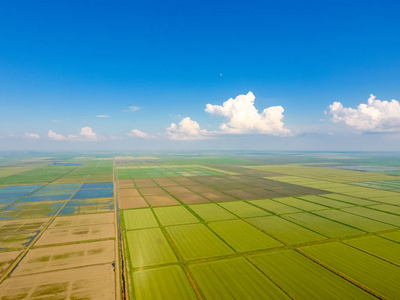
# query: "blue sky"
63,63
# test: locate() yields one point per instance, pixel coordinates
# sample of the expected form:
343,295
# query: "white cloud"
132,108
88,133
187,129
140,134
102,116
242,117
375,116
33,136
85,134
56,136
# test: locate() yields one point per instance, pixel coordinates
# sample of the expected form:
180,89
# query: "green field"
218,226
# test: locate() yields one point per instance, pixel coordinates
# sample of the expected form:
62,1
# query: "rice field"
220,227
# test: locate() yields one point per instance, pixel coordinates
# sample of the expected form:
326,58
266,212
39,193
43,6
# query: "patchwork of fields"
161,227
58,233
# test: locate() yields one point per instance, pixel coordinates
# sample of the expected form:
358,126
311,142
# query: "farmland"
204,226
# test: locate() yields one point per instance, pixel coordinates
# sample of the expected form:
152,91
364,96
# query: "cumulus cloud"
56,136
243,118
103,116
88,133
85,134
375,116
33,136
187,129
132,108
140,134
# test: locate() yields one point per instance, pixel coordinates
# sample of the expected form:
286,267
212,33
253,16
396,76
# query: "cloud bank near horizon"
85,134
241,117
375,116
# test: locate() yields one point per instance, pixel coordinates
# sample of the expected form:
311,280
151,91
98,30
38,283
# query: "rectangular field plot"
217,196
93,193
31,210
394,236
240,280
148,247
308,182
7,201
94,171
65,257
350,199
283,230
152,191
380,247
125,184
301,204
212,212
190,198
375,215
56,187
144,182
139,219
13,195
88,206
359,222
37,175
275,206
369,193
6,259
359,266
393,209
19,233
260,193
196,241
82,220
175,189
243,237
162,283
388,200
97,185
94,282
161,200
334,175
54,192
174,215
165,182
242,195
306,279
76,234
128,193
321,199
322,225
244,210
19,188
167,171
389,185
45,198
131,202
